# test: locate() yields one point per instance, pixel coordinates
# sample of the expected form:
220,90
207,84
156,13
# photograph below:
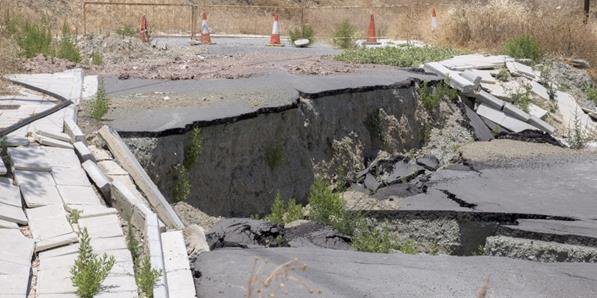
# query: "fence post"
84,18
587,9
193,20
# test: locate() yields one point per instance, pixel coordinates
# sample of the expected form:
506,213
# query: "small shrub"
327,207
34,39
99,105
408,247
577,138
67,48
126,31
522,98
274,156
431,99
345,34
182,186
503,75
283,213
89,270
74,216
146,277
97,58
192,149
305,31
523,47
371,239
131,241
591,93
403,56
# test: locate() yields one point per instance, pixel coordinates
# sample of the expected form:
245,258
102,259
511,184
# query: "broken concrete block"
29,159
100,154
50,227
110,167
82,151
97,176
180,284
476,61
371,183
535,110
15,263
544,126
15,141
61,157
53,135
454,78
8,225
72,129
490,100
539,90
429,162
514,111
175,251
572,112
502,119
485,75
78,195
38,188
482,132
51,142
91,211
494,127
57,241
519,69
90,86
472,76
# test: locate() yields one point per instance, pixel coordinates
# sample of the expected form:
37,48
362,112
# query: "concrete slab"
14,279
82,151
57,136
51,142
482,132
16,141
48,221
60,251
68,84
38,188
502,119
537,111
90,86
3,169
102,226
513,111
490,100
110,167
91,210
57,241
570,110
70,176
10,194
181,284
538,123
175,251
79,195
29,159
97,176
476,61
16,248
55,281
486,76
60,157
8,225
12,214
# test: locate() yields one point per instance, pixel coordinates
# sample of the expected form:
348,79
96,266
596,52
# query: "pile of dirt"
117,49
44,64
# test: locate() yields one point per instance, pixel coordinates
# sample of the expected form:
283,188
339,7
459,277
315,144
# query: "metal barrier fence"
405,21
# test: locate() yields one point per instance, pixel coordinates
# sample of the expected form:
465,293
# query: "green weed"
274,156
371,239
146,277
89,270
591,93
283,213
182,186
74,216
34,39
192,149
523,47
132,243
97,58
577,138
522,98
403,56
126,31
99,105
503,75
327,207
67,49
432,98
345,34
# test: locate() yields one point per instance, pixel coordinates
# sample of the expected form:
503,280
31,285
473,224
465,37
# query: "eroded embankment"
244,161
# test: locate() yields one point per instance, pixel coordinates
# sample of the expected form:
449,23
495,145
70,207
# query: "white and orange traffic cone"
371,35
433,20
144,30
275,38
205,37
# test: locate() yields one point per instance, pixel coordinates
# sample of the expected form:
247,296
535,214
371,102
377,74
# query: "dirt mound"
116,49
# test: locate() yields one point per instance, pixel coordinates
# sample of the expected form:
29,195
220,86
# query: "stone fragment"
110,167
482,132
519,69
580,63
195,239
51,142
535,121
513,111
371,183
429,162
502,119
100,154
302,42
490,100
535,110
54,135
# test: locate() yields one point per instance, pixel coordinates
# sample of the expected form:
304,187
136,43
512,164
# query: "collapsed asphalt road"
225,273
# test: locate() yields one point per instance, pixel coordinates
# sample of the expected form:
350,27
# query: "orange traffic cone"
144,30
371,37
205,37
275,38
433,20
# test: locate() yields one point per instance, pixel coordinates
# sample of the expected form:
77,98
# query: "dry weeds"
276,281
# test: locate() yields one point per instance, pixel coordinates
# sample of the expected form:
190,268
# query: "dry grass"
277,281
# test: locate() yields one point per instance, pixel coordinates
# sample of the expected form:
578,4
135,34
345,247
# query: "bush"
282,213
503,75
67,48
74,216
522,98
192,149
371,239
305,31
182,186
345,34
403,56
99,105
126,30
431,98
146,277
327,207
591,93
97,58
34,39
131,242
523,47
89,270
577,137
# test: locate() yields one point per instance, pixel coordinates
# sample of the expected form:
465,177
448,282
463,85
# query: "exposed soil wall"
243,163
